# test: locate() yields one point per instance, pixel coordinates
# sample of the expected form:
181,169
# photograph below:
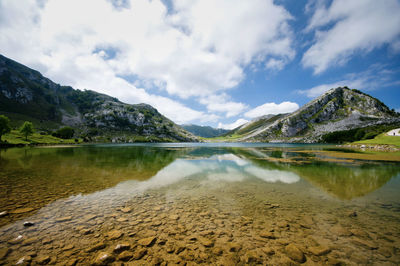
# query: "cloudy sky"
209,62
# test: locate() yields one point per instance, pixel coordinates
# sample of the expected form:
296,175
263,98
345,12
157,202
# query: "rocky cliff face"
26,94
337,109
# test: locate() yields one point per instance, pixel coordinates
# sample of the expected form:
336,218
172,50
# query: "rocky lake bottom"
189,205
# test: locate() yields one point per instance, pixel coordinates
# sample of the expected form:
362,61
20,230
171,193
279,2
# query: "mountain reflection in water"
34,177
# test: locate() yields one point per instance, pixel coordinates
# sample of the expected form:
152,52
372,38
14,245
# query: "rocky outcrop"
28,94
337,109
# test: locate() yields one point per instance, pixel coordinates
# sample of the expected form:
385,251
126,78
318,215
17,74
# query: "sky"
210,62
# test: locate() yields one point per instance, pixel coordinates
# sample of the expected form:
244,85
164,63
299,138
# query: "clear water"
221,204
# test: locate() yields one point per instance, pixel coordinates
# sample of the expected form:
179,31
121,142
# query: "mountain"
26,95
204,131
338,109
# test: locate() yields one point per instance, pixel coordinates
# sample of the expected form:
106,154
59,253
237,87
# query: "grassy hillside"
15,137
204,131
382,139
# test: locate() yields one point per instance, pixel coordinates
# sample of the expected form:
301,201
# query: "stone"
174,217
267,250
179,248
267,234
86,231
89,217
30,241
126,210
96,247
68,247
295,253
385,251
22,210
71,262
46,241
148,241
4,252
352,214
3,214
121,247
217,251
251,257
125,255
206,242
103,258
340,231
139,253
16,240
233,246
27,224
359,233
319,250
43,259
114,234
282,224
64,219
364,243
25,260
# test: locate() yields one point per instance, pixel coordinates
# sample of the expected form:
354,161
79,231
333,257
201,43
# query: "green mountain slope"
26,95
338,109
205,131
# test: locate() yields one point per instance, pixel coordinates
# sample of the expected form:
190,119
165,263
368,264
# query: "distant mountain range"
205,131
336,110
26,95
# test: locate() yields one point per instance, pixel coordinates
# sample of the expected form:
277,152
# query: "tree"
65,133
4,125
26,129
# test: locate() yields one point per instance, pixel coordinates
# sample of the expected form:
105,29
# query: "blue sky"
210,62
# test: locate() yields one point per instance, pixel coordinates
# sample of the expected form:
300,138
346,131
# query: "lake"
220,204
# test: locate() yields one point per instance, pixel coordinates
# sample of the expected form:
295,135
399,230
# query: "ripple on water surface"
155,204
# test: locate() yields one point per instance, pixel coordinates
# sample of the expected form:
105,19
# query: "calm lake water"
220,204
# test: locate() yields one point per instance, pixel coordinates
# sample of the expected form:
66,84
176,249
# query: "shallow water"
220,204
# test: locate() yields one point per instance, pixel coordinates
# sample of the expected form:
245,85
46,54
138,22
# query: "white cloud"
272,108
358,26
199,49
222,103
233,125
275,64
375,77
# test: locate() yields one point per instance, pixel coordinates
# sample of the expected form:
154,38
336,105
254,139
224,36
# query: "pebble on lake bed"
27,224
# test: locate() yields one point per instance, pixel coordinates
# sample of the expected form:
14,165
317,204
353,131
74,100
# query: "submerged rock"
27,224
139,253
121,247
22,210
42,260
148,241
4,252
126,210
25,260
115,234
64,219
125,255
295,253
16,240
103,258
319,251
96,247
267,234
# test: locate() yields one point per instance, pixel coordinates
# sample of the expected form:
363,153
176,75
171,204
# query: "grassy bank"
16,138
381,139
